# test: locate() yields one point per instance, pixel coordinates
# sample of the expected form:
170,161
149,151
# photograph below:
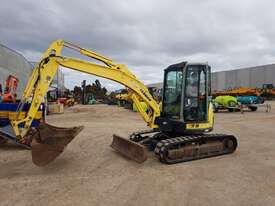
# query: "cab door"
196,93
172,94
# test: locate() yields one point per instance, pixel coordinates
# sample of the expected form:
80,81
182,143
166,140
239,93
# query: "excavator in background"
177,134
268,91
9,95
123,99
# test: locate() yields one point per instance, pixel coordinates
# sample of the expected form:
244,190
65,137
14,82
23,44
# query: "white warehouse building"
253,77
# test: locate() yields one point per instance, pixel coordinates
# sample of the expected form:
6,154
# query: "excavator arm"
45,71
46,141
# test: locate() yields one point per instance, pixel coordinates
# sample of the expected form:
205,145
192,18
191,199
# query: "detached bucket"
130,149
48,142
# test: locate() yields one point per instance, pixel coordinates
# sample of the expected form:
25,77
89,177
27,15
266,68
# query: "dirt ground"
89,172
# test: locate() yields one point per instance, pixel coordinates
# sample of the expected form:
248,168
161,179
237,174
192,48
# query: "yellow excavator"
177,134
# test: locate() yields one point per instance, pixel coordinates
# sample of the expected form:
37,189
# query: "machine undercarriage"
174,148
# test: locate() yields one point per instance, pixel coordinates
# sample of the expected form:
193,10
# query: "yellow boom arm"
45,71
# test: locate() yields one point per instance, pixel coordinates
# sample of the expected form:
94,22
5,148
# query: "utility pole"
83,91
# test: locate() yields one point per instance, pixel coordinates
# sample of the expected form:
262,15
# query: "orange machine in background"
241,91
9,95
267,91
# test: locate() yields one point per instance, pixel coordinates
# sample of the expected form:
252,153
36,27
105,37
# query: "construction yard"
89,172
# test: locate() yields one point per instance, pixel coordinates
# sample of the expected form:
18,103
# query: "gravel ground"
89,172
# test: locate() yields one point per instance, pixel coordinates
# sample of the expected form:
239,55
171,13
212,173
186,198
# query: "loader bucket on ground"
130,149
48,142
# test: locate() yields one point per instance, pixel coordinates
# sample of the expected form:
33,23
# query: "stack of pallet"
56,108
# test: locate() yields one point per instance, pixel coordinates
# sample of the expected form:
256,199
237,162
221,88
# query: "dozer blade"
48,142
130,149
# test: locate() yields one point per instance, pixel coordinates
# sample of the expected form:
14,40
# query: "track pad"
48,142
130,149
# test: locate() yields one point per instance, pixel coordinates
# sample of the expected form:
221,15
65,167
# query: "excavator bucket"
48,142
129,149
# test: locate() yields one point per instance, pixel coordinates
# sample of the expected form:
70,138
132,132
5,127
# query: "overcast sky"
146,35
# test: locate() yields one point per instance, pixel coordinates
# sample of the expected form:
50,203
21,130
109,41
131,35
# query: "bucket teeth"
48,142
129,149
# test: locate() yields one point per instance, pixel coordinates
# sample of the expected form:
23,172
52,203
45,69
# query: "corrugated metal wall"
247,77
15,64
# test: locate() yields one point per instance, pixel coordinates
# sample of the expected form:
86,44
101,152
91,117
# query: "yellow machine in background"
241,91
176,135
124,98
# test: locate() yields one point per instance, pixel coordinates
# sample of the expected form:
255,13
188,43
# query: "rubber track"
161,150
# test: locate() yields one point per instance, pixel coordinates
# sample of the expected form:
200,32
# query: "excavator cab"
186,92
